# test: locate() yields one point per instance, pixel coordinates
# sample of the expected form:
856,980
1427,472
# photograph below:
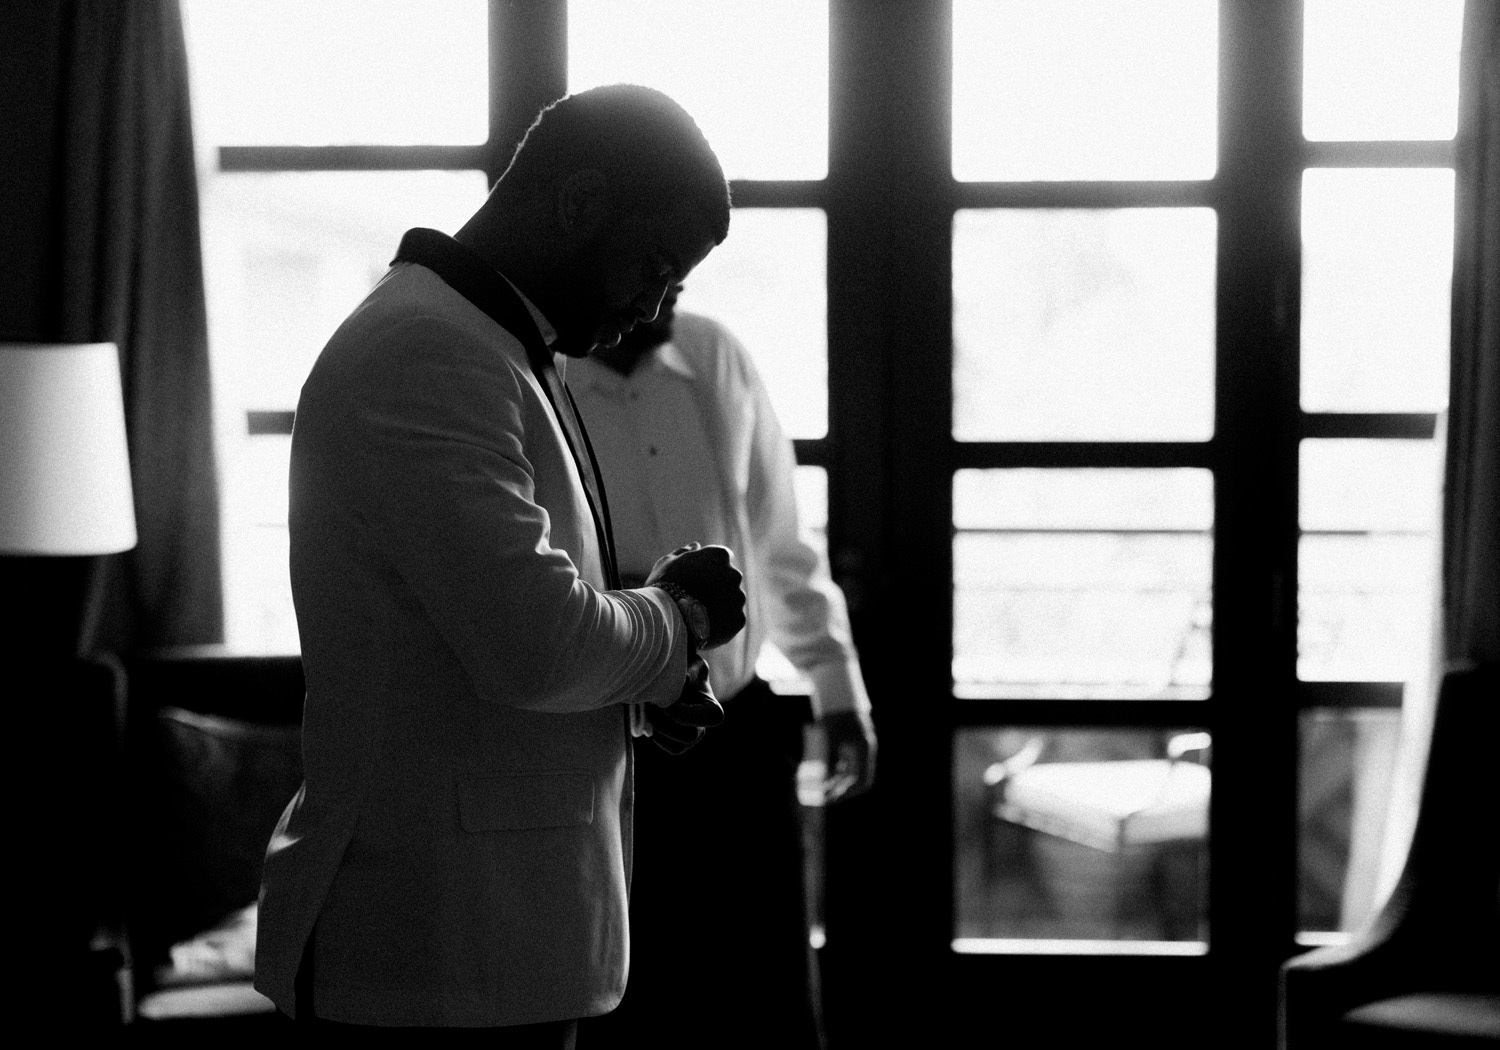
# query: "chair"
212,756
1157,806
1425,972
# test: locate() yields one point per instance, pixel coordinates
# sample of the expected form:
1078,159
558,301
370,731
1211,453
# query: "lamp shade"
64,465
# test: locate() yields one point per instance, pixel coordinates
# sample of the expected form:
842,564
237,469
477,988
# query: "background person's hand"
676,728
709,576
850,739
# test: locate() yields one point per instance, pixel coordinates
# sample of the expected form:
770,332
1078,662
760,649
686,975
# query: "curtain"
1468,621
1471,519
126,267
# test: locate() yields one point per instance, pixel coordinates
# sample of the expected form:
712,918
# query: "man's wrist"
694,613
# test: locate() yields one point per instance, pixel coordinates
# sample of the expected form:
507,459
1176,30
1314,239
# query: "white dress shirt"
691,450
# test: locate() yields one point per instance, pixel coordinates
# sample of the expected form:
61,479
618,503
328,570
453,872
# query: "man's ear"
581,203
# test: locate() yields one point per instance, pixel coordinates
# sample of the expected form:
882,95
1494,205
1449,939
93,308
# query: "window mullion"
528,70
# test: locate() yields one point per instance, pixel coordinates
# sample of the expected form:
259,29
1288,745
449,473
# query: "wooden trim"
982,454
1084,194
1365,695
1429,154
262,422
765,193
1411,426
352,158
1122,714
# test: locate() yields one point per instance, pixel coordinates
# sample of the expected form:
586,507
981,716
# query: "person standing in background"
691,448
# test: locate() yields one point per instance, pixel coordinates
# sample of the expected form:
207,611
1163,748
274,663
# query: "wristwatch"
694,612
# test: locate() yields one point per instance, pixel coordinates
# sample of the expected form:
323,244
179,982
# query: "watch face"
697,617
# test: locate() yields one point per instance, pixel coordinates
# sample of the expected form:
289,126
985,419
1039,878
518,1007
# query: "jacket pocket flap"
513,803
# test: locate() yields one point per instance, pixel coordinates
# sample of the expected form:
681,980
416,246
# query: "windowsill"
1041,946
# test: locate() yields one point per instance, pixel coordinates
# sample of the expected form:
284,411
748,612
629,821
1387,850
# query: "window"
1084,330
1379,113
1134,80
1112,335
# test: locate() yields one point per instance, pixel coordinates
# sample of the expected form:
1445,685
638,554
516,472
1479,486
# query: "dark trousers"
719,826
311,1030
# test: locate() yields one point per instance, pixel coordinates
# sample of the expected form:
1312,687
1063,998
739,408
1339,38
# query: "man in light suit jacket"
459,854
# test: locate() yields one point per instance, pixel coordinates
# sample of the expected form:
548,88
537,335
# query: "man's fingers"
671,734
838,785
672,746
851,755
705,713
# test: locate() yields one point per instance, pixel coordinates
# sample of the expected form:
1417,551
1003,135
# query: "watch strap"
694,612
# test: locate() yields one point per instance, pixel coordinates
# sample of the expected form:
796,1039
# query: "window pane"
338,72
289,254
1080,835
768,283
1084,89
1347,764
753,74
258,613
1074,324
286,257
1367,559
1381,69
1082,583
1377,272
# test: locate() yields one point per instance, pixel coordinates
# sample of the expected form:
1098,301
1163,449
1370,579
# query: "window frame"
890,197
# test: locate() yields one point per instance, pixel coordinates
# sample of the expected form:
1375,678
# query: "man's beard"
585,283
637,344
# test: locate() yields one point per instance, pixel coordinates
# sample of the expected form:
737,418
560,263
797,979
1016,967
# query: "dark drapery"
1468,599
1471,505
125,266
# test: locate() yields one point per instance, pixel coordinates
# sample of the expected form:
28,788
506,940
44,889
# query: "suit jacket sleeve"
441,448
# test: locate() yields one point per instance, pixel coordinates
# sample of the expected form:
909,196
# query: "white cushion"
1111,805
204,1000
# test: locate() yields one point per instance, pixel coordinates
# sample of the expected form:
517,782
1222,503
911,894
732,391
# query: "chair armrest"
1317,987
1184,744
996,774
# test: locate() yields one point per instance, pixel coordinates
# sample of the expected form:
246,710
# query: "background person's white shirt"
691,450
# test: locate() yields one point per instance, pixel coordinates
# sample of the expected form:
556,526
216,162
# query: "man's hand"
708,575
850,736
676,728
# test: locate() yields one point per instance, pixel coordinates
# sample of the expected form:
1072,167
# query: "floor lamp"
65,497
65,505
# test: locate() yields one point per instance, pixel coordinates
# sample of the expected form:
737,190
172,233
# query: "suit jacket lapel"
473,278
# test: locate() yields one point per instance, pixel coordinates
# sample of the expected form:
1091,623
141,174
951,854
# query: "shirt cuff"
837,687
682,648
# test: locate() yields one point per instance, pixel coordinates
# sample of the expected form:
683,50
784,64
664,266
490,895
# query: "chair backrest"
213,755
1449,890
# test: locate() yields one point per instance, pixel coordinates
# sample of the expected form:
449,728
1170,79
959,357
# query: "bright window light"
1377,271
1079,324
768,282
1084,89
339,72
286,256
754,73
1367,559
1082,583
1381,69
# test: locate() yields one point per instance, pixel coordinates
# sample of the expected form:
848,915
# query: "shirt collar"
670,357
666,359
